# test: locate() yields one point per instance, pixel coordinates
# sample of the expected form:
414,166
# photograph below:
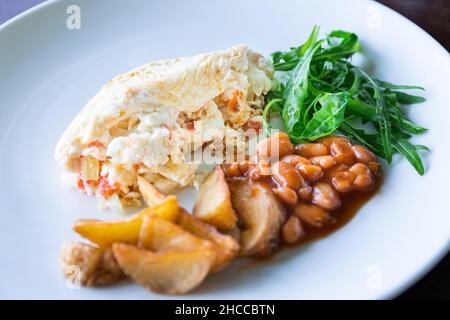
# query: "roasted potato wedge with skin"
167,209
158,234
150,194
170,272
166,186
213,203
105,233
261,214
89,266
227,247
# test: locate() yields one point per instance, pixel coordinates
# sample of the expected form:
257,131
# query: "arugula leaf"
383,118
297,91
273,104
361,110
312,39
328,118
368,140
412,127
388,85
409,152
349,44
421,147
405,98
345,49
287,60
320,92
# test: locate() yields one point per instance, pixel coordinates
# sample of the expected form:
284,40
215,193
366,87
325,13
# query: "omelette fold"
150,122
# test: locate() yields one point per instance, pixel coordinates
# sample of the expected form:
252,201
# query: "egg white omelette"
147,121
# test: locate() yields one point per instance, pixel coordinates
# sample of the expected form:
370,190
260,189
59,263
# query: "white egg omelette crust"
144,123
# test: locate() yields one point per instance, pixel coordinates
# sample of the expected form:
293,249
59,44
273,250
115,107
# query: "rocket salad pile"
318,91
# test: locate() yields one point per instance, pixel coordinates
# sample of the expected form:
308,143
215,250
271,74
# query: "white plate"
48,72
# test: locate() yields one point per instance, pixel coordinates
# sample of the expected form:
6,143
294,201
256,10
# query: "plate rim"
422,270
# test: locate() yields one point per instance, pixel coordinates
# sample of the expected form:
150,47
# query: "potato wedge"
158,234
262,216
213,203
150,194
167,186
168,209
226,245
89,266
171,272
105,233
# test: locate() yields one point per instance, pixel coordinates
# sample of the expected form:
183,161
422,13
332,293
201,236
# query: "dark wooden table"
434,17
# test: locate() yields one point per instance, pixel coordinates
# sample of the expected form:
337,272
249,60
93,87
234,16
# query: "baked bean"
327,141
253,173
363,155
243,167
375,168
264,167
231,170
343,181
286,175
359,168
326,162
295,159
292,231
305,193
259,170
364,182
278,144
342,152
311,214
309,150
309,178
286,194
364,179
333,171
325,196
310,172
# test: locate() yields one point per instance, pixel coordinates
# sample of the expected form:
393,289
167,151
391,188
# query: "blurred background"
431,15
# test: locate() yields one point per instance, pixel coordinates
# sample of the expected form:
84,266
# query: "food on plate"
169,272
149,193
89,266
318,92
152,121
158,234
227,246
136,138
105,233
148,121
213,203
261,214
292,231
309,180
149,248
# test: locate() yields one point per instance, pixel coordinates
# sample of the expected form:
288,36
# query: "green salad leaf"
319,92
297,92
328,118
409,151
